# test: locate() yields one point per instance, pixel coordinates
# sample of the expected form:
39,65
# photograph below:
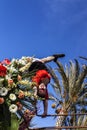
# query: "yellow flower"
25,67
27,93
24,82
12,86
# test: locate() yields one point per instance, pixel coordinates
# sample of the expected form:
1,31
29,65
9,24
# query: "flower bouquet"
17,101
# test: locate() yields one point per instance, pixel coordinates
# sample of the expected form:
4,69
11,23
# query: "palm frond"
84,122
83,97
53,98
71,75
63,75
77,68
67,71
83,57
55,78
74,71
56,90
81,78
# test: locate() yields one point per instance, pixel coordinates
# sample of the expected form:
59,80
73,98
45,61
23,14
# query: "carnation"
12,97
3,70
13,108
3,91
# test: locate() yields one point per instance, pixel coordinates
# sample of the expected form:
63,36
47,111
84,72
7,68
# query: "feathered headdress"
40,74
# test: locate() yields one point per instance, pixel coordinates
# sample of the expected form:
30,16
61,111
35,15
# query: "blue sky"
42,28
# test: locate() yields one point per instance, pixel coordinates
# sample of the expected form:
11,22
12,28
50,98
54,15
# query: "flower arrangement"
15,89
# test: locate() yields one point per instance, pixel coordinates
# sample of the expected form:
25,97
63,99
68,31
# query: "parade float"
17,96
17,101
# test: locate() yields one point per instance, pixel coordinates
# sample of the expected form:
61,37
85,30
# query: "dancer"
42,78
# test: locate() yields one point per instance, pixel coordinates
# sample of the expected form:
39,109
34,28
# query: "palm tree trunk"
60,118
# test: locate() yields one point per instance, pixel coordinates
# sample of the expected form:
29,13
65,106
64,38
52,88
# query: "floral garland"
15,85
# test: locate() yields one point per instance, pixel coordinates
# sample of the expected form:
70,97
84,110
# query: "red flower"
6,61
3,70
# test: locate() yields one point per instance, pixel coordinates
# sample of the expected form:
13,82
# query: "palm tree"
70,85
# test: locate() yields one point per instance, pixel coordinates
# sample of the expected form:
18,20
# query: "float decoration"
15,90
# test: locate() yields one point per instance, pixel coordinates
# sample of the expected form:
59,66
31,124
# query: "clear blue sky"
42,28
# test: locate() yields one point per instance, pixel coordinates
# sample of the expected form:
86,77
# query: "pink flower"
6,61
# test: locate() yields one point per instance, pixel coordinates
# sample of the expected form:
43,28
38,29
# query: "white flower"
1,79
13,108
22,62
7,77
24,58
12,69
12,97
3,91
14,61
